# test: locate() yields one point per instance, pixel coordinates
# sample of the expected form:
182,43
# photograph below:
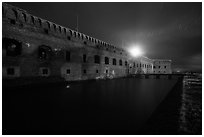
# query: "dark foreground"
119,106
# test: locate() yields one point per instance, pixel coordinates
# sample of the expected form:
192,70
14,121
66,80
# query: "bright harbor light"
135,51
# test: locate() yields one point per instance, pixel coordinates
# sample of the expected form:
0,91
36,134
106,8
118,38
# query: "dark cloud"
165,30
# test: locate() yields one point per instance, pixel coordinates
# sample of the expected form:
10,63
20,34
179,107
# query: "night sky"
163,30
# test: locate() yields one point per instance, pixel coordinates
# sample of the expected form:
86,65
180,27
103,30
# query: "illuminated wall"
34,47
162,66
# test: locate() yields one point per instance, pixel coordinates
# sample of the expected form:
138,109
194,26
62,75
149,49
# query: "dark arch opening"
65,31
48,24
114,61
106,60
70,32
54,27
60,30
79,35
44,52
120,62
126,63
97,59
40,22
33,19
12,46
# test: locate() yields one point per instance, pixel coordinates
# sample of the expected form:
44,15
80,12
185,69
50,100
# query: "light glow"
135,51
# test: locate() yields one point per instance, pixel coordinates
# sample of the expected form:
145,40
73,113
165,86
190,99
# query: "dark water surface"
118,106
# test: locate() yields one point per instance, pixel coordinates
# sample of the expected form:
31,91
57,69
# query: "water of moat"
117,106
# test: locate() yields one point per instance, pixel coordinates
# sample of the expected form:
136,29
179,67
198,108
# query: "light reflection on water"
116,100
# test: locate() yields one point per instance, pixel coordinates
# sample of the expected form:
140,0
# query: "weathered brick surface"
32,32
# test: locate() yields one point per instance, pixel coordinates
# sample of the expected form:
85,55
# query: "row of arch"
22,16
13,48
97,60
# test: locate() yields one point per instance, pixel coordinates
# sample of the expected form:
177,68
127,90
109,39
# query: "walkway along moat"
117,106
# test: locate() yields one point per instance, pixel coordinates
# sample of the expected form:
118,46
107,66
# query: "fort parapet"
34,47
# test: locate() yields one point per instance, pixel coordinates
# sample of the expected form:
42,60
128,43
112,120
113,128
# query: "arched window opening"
32,19
114,61
84,58
68,56
84,71
120,62
70,32
44,52
65,31
48,24
68,37
60,29
40,22
68,71
74,34
126,63
97,59
46,31
106,60
54,27
44,71
12,46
